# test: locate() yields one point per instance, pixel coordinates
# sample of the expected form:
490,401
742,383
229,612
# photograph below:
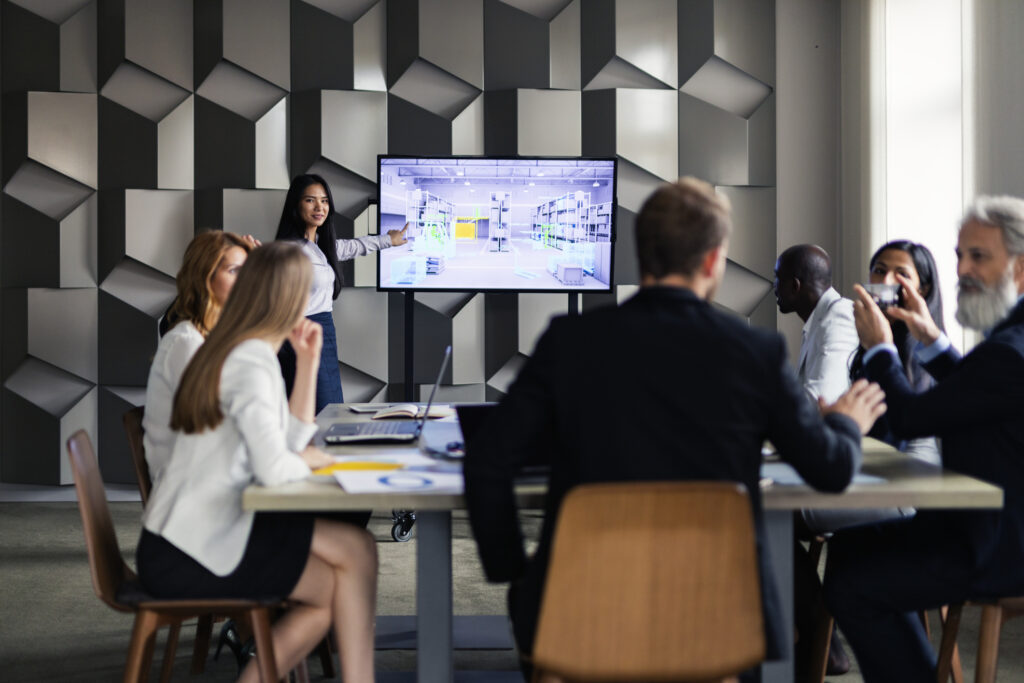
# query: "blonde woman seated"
208,271
236,427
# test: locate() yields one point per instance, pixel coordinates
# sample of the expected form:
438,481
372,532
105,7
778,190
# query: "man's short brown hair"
678,225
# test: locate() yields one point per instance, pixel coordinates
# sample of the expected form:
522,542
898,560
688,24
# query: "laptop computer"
386,431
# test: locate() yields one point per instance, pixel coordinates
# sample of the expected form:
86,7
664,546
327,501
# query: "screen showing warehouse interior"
492,224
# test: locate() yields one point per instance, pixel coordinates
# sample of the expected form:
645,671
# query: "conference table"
888,478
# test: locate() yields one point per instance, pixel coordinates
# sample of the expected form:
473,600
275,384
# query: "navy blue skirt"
328,378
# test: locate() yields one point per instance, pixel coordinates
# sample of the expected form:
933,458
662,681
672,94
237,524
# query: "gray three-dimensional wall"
128,125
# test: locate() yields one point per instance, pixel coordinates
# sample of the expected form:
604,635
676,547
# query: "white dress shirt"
829,341
172,356
321,298
197,504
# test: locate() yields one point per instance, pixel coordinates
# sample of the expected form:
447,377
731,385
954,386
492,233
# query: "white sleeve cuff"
926,354
878,348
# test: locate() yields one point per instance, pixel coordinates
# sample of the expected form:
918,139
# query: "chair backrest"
108,568
133,428
652,581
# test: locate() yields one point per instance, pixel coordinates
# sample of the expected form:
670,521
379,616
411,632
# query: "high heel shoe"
243,652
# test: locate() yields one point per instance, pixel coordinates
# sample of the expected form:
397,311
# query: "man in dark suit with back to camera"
663,387
880,576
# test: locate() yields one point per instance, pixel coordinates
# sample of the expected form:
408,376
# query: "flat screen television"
489,224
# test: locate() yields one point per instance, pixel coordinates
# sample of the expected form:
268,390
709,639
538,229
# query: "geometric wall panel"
158,225
516,48
42,406
369,52
57,130
741,290
45,190
110,163
62,329
361,321
115,458
752,244
434,89
175,148
152,36
726,149
629,44
448,34
78,51
564,47
250,212
321,49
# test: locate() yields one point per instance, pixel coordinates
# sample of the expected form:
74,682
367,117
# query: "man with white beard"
880,576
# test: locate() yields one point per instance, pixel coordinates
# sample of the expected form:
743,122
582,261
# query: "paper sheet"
399,481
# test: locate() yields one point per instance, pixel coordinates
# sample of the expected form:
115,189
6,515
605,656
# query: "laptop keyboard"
384,427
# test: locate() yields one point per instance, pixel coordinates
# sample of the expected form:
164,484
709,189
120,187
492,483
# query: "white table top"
906,482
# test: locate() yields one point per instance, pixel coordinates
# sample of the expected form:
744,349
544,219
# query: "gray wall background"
128,125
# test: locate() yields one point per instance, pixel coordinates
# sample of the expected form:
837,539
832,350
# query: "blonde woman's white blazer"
197,503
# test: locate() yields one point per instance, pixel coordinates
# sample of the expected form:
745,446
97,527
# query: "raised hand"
398,236
914,312
872,326
864,403
252,241
306,338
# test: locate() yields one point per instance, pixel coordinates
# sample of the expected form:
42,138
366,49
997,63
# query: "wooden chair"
994,613
116,584
651,581
204,627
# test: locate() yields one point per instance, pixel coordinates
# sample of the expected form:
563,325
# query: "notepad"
411,410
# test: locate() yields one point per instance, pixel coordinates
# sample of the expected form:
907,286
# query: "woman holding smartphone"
236,427
308,219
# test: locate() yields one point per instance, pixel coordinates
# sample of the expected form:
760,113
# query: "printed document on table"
399,481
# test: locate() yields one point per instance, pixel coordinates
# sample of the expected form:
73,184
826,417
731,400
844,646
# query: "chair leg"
949,655
326,661
264,644
173,631
201,648
988,643
140,649
819,648
301,671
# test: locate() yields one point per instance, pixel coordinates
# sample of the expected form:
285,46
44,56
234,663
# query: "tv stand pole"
410,310
574,303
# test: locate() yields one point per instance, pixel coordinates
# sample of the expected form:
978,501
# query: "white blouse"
172,356
197,504
321,298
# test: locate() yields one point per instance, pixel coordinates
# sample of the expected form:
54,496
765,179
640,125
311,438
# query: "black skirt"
274,559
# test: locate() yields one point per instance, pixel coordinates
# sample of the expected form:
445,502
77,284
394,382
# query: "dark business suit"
879,576
662,387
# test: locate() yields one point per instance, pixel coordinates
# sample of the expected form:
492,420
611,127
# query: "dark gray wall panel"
403,45
225,148
110,36
598,125
412,130
597,30
500,127
30,438
627,271
208,37
127,148
36,44
304,128
696,21
115,458
26,231
500,330
516,48
15,132
13,333
127,342
111,242
209,209
321,46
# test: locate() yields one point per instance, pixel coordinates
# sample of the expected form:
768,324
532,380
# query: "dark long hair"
928,275
292,227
